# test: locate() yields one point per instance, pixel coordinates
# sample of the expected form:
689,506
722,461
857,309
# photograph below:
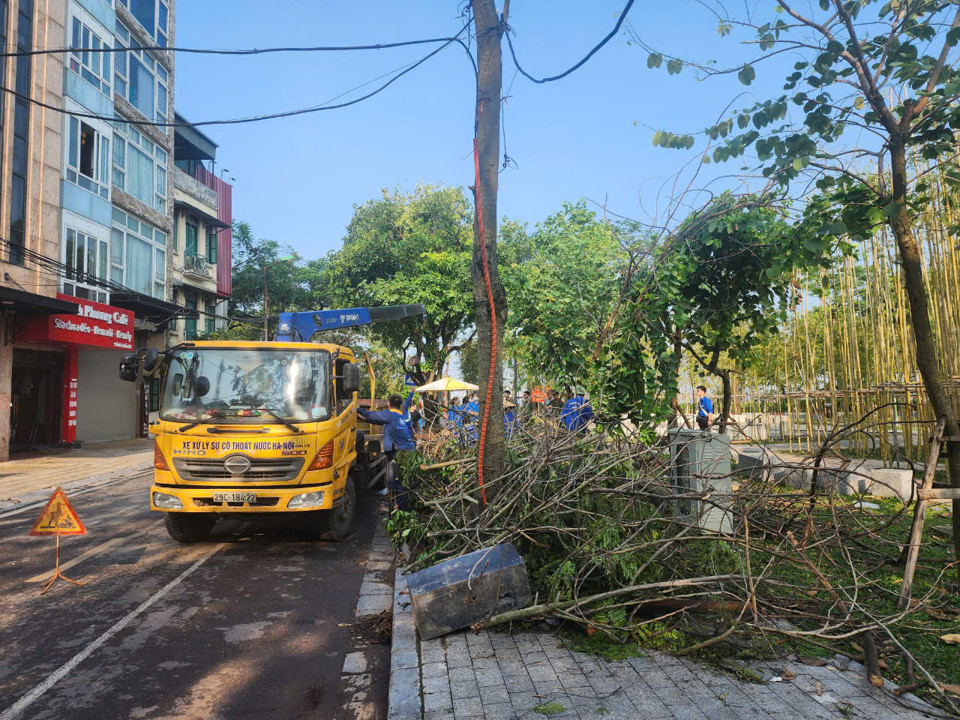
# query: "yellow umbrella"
446,384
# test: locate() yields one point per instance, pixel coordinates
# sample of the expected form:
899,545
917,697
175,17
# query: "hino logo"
237,464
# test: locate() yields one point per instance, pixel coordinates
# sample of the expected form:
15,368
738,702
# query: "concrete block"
891,482
456,593
404,695
751,465
799,478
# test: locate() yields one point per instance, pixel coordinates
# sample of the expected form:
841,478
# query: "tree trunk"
727,398
488,142
927,356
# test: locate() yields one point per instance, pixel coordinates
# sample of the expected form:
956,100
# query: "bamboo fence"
848,348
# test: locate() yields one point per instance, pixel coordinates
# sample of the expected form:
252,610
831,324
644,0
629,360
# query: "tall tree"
489,297
252,256
715,290
563,280
408,248
886,69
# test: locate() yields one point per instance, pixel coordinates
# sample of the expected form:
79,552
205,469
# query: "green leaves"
746,74
674,66
666,139
654,60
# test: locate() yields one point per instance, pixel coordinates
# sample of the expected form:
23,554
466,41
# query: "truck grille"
259,502
200,470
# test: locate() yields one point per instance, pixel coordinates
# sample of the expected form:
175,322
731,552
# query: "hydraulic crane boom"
302,326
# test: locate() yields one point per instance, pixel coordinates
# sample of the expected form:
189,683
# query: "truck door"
345,441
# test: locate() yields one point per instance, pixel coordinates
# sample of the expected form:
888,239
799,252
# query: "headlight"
167,502
306,500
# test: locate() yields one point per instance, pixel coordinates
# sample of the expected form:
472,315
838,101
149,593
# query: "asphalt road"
253,623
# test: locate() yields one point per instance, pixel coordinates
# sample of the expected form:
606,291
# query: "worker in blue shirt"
509,418
453,412
704,408
471,411
397,436
576,411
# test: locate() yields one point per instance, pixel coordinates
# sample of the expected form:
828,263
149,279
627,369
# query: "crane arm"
302,326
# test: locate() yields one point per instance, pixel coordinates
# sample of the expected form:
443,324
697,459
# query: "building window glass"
88,157
138,256
190,244
210,321
153,15
154,405
140,79
21,123
190,323
86,59
140,166
211,245
86,259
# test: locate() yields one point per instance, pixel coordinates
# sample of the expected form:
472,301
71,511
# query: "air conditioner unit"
700,463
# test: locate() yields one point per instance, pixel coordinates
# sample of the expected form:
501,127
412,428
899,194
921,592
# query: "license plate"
234,497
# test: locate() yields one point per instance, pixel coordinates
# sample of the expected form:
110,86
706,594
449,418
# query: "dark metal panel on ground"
456,593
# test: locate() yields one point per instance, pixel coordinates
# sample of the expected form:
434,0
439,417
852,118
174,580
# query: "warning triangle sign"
58,517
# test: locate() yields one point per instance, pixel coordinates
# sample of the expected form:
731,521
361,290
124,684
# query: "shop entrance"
36,397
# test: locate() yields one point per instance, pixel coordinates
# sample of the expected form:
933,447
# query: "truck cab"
251,430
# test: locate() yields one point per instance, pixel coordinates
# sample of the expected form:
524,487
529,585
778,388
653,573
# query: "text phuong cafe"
66,386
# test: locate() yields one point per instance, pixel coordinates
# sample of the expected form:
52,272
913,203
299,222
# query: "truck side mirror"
128,365
203,386
149,358
351,378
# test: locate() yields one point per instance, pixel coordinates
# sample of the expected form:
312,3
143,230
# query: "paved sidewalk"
529,676
25,479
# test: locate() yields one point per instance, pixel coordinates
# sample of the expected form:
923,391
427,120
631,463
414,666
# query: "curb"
406,685
37,498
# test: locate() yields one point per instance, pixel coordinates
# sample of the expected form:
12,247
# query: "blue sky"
298,179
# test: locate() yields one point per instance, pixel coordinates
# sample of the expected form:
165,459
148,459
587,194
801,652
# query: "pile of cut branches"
597,520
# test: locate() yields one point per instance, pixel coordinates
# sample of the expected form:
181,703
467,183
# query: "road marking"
82,491
96,550
65,669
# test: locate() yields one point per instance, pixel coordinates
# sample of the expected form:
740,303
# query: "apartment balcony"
197,266
196,190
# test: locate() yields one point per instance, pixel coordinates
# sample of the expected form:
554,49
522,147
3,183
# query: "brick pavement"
28,478
497,676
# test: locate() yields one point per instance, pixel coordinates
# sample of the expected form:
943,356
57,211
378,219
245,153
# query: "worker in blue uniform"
577,411
704,408
471,411
397,436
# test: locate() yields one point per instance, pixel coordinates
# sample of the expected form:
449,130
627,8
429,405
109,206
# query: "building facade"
202,240
31,379
90,253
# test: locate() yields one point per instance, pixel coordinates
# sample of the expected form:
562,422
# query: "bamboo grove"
847,346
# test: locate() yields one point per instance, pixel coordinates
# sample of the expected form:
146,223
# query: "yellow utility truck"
251,430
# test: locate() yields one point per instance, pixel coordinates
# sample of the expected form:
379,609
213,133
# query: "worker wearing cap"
397,435
576,411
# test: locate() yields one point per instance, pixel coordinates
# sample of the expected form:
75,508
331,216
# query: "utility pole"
265,303
489,297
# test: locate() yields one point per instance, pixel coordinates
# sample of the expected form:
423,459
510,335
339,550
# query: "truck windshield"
246,385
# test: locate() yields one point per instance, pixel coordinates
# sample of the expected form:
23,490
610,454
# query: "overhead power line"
229,51
270,116
610,35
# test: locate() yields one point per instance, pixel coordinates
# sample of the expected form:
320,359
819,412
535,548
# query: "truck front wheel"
338,523
189,527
